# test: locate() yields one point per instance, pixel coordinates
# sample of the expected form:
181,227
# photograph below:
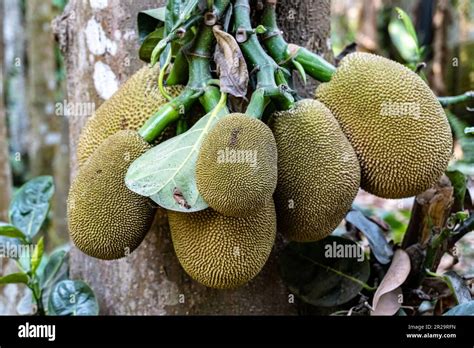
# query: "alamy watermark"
15,251
237,156
69,109
400,109
344,251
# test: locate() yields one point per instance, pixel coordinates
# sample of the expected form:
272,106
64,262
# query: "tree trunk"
11,293
150,280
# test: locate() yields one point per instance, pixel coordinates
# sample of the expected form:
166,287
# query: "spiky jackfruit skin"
128,109
220,251
394,122
236,170
107,220
318,172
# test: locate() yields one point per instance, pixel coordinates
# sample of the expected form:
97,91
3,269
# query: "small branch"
457,99
466,227
198,56
258,60
284,53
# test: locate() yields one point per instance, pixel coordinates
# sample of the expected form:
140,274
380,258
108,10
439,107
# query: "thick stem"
199,56
257,104
451,100
258,59
284,53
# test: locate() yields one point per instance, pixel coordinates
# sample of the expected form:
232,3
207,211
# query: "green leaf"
148,21
166,173
403,41
30,205
52,268
378,244
72,297
11,231
37,255
322,279
458,287
14,278
462,309
459,183
149,44
408,24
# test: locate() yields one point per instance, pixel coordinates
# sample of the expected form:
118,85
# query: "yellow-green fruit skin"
236,170
128,109
394,122
318,172
220,251
107,220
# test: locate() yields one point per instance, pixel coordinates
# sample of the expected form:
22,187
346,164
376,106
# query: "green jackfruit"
128,109
394,122
318,172
106,219
236,171
221,251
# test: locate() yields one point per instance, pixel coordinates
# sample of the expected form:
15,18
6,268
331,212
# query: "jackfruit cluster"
106,219
236,171
128,109
393,121
318,171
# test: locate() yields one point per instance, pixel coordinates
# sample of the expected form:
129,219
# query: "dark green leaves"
459,182
30,205
317,274
378,244
72,297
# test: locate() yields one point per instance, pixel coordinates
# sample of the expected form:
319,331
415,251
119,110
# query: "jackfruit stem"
456,99
285,54
199,56
258,103
258,60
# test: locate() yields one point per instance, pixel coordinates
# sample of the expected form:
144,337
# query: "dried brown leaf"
232,69
386,299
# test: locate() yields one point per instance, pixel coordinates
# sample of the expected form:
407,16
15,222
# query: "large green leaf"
14,278
378,244
166,173
315,277
30,205
10,231
462,309
72,297
149,44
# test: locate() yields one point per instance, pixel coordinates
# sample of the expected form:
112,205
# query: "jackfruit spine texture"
394,122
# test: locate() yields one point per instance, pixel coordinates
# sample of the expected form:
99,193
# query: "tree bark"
150,281
45,130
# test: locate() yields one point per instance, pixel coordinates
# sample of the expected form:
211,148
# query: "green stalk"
451,100
198,56
284,53
258,60
257,104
